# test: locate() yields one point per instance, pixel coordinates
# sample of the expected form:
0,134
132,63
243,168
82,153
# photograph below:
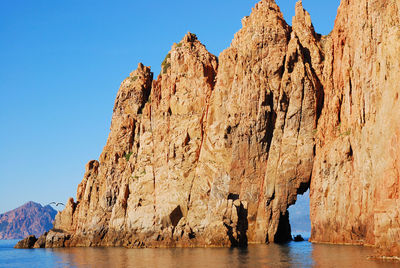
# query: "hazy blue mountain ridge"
29,219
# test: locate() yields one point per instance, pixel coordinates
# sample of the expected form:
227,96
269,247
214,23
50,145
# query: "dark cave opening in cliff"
299,216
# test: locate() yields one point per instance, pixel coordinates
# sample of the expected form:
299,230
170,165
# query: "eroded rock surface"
214,151
27,242
211,153
356,183
260,124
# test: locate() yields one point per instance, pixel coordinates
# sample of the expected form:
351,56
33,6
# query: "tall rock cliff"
214,151
258,149
211,153
356,183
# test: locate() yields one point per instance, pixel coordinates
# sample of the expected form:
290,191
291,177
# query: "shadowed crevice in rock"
233,196
304,187
283,233
319,88
175,216
271,121
237,231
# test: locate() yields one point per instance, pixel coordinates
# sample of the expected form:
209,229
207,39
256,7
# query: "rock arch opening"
299,216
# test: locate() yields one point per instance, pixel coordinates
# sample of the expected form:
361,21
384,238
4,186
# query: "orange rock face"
214,151
211,153
356,183
261,119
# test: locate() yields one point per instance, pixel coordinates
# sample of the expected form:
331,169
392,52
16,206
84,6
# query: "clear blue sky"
62,63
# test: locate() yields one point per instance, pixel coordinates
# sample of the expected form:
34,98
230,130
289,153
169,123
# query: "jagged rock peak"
265,7
266,4
140,69
189,38
303,30
302,19
185,55
134,91
265,17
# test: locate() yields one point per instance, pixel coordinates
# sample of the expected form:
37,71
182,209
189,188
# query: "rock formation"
28,219
356,183
211,153
214,151
27,242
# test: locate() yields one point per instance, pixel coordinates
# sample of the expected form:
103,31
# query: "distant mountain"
29,219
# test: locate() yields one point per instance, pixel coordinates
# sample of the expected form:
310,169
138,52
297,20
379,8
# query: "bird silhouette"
56,204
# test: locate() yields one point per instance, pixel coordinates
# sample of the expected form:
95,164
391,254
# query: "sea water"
293,254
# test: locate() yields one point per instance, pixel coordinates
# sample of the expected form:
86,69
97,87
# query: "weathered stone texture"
27,242
207,154
214,151
356,183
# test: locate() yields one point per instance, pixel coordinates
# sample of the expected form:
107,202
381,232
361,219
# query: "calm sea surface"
302,254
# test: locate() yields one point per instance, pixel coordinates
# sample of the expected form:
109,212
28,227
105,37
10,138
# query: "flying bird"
56,204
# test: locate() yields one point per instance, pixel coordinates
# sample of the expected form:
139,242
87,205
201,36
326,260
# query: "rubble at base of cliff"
27,242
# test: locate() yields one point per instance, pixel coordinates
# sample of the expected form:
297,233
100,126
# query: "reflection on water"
254,256
303,254
290,255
